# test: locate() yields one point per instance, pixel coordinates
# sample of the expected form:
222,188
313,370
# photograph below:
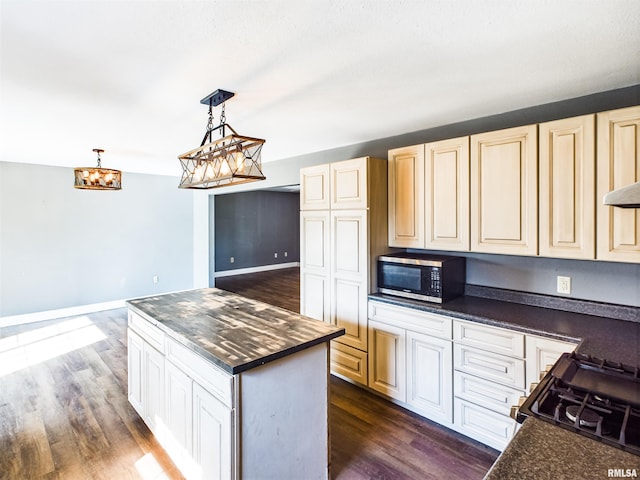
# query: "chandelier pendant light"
97,178
232,159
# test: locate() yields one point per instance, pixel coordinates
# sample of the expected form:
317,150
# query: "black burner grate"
603,400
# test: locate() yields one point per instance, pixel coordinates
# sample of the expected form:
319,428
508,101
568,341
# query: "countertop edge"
439,309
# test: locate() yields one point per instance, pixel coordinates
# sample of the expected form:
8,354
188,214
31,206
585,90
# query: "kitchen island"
231,387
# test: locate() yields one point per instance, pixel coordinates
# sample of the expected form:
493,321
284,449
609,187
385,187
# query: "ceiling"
128,76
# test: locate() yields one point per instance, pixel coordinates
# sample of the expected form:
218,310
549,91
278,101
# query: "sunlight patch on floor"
36,346
150,469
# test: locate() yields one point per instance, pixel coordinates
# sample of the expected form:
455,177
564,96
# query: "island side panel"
285,418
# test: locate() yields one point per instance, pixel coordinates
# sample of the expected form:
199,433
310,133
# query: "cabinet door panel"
504,188
429,385
447,194
349,244
134,376
314,241
153,393
349,184
387,360
314,188
350,311
315,296
178,435
567,188
618,166
212,437
406,197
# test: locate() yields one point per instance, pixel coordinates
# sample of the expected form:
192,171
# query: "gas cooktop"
591,397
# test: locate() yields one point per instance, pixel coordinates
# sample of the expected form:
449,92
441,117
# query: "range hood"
625,197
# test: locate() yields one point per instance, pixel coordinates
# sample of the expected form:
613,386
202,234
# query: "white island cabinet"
231,388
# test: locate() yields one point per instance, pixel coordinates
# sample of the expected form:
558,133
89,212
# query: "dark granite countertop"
542,451
602,337
233,332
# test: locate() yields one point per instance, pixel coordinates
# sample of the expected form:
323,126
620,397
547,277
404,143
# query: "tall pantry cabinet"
343,229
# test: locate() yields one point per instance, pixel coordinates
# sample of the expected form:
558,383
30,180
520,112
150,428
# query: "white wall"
62,247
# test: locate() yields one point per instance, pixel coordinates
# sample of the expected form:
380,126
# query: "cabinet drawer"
149,332
349,362
483,425
494,396
493,339
503,369
410,319
216,381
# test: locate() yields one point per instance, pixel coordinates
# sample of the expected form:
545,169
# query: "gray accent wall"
62,247
253,226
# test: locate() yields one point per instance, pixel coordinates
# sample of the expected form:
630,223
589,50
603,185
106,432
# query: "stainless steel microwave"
432,278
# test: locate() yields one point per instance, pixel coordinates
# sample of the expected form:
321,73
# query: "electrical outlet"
564,285
156,279
275,255
231,260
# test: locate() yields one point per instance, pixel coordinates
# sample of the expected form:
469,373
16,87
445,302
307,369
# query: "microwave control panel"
433,281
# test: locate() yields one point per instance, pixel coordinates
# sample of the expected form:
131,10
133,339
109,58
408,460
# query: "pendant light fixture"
97,178
231,159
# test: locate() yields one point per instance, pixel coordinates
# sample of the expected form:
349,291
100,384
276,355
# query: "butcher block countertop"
233,332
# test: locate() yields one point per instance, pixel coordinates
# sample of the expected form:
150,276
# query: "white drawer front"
210,377
483,425
151,334
410,319
349,362
494,396
503,369
492,339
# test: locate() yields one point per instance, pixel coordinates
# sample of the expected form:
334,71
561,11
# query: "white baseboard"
59,313
262,268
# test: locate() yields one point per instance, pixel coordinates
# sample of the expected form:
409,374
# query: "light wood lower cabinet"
408,363
387,360
349,362
543,352
429,384
462,374
483,424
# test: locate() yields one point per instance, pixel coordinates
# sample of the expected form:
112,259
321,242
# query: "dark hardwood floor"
64,412
276,287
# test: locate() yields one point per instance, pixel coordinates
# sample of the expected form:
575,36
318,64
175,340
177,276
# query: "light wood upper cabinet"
406,197
314,188
618,166
567,188
504,191
349,184
446,190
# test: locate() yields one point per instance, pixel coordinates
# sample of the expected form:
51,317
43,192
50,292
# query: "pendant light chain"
99,161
